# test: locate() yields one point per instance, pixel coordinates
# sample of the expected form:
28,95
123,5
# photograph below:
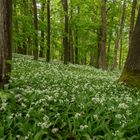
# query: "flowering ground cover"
58,102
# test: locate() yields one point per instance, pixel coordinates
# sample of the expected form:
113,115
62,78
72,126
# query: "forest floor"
58,102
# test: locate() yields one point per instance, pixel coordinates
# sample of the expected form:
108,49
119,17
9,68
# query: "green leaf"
39,135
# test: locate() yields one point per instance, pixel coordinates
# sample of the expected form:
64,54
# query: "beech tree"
36,30
66,31
5,41
42,30
119,35
49,31
131,71
132,20
103,36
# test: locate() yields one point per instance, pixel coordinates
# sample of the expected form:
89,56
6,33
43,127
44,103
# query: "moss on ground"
131,78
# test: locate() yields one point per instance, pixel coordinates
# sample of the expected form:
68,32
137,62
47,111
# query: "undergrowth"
58,102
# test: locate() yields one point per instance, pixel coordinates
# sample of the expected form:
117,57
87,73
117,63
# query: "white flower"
77,115
23,105
26,137
18,136
128,99
50,98
118,116
82,127
95,117
123,106
54,130
128,113
27,115
61,101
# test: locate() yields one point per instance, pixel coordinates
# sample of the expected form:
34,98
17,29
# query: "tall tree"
131,71
132,20
35,52
42,30
71,48
119,35
77,40
66,32
5,41
49,29
103,36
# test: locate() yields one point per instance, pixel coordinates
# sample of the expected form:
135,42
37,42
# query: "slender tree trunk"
16,27
77,41
24,47
84,60
76,49
103,36
91,57
30,43
35,52
119,35
49,30
71,45
25,13
66,32
29,52
42,31
132,20
98,49
120,58
5,41
71,52
131,71
1,48
108,49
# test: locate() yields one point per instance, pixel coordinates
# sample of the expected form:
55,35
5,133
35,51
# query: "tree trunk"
103,36
76,49
35,52
98,49
42,31
5,41
91,58
71,45
49,30
108,49
66,32
77,41
71,34
119,35
131,71
120,57
132,20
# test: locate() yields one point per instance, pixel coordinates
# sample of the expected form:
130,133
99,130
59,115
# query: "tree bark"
66,32
35,52
91,57
131,71
5,41
76,48
49,31
42,31
119,35
103,36
132,20
77,41
71,49
108,49
98,49
120,57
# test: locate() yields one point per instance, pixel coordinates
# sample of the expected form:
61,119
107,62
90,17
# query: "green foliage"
85,25
53,101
